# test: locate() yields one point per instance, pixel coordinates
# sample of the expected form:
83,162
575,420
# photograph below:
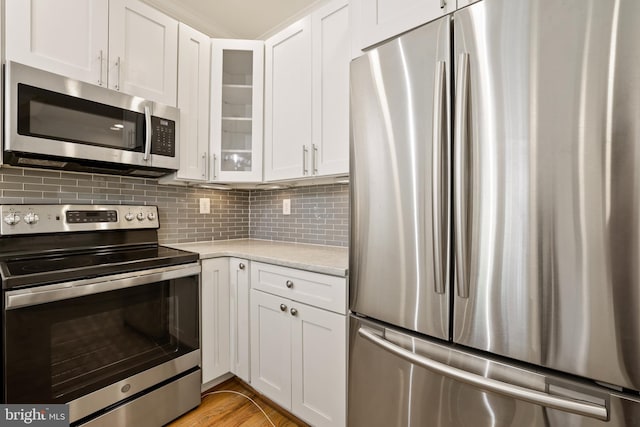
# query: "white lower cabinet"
239,317
298,358
214,328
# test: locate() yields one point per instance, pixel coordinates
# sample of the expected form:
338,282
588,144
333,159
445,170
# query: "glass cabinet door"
236,121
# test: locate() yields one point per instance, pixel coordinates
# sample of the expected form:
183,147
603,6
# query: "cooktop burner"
40,269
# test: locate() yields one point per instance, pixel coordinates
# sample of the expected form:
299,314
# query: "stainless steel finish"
180,396
283,307
443,4
60,291
241,266
392,271
51,218
573,406
140,216
101,58
18,73
440,179
294,312
147,126
305,150
215,174
387,390
289,284
204,165
554,101
118,64
315,158
462,175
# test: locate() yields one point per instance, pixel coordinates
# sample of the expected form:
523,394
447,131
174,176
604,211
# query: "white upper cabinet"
67,37
237,79
143,51
194,60
330,63
307,96
121,44
287,138
379,20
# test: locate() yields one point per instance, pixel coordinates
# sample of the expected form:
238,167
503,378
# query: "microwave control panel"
163,137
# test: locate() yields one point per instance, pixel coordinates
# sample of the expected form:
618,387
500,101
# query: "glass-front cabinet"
237,68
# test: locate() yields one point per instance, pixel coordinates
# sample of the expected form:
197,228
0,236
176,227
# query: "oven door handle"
61,291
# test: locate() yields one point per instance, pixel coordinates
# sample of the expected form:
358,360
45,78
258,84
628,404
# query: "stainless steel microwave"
55,122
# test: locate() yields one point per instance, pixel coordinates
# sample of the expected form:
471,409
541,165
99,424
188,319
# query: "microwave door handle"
147,139
574,406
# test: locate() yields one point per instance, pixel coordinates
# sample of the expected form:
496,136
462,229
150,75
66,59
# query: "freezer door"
397,379
399,248
547,184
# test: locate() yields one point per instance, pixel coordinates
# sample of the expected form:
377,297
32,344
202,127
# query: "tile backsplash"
319,214
180,220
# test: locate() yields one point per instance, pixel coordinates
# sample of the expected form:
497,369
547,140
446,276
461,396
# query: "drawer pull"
283,307
289,284
241,266
293,312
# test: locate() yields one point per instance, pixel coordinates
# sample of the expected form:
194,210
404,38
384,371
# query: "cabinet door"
143,51
271,347
319,365
331,57
382,19
236,110
215,318
193,102
239,317
67,37
287,139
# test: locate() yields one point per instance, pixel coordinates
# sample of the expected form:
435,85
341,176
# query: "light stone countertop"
333,260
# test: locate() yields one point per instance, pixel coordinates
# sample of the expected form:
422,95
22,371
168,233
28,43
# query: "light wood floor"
232,410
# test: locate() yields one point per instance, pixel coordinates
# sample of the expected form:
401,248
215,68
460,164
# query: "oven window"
59,351
51,115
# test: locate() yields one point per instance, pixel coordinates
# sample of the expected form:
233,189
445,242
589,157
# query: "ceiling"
242,19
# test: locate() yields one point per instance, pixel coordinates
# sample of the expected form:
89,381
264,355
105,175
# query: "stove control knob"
151,216
12,218
140,216
129,216
31,218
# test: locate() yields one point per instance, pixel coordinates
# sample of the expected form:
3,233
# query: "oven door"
95,342
51,115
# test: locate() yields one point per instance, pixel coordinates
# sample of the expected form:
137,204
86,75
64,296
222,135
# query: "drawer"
319,290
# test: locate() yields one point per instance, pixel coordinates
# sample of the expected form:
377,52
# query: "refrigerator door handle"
461,174
438,188
565,404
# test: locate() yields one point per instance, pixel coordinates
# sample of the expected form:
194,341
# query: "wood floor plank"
223,409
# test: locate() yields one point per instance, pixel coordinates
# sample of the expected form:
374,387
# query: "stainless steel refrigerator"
495,219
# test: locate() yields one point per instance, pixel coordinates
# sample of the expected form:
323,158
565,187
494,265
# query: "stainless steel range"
97,315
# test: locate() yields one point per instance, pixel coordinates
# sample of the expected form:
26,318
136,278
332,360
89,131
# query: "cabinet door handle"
241,266
118,65
289,284
101,58
204,165
293,312
443,3
315,159
215,158
305,170
283,307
